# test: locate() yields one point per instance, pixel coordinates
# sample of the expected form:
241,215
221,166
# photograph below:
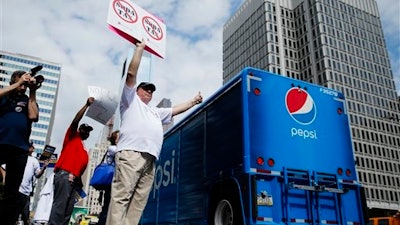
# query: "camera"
36,69
39,78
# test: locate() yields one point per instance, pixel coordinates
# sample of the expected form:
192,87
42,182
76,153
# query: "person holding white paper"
139,145
69,168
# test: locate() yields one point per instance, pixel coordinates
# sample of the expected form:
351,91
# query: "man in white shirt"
139,145
32,171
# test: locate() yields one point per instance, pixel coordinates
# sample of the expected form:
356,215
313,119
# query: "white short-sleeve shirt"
141,125
32,169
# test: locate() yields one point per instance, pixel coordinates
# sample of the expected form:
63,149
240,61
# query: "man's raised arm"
134,64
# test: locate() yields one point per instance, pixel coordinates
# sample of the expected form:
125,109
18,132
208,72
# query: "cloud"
74,33
194,17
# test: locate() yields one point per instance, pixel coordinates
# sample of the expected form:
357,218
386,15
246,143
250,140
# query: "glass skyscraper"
338,44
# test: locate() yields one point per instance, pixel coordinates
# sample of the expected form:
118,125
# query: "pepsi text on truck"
264,149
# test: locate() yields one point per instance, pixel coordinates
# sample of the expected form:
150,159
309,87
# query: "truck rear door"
298,146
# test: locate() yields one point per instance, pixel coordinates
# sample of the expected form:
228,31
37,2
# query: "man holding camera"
17,112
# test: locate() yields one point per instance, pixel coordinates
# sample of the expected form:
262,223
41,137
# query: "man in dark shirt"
17,112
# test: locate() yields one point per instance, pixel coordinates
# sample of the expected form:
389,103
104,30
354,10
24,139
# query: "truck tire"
226,211
223,213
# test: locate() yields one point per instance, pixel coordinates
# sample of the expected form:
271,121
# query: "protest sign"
47,152
104,105
135,24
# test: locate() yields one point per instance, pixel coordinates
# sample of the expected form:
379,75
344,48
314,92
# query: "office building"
338,44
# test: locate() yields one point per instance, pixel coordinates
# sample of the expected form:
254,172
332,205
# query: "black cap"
86,127
147,86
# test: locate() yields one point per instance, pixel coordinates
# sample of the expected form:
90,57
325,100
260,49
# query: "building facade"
338,44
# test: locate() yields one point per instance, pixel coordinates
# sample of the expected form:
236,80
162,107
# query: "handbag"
102,175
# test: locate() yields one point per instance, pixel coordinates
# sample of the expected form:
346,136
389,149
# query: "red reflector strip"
265,171
329,222
322,221
348,181
353,223
300,220
265,219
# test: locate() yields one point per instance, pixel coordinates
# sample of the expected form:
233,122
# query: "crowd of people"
134,149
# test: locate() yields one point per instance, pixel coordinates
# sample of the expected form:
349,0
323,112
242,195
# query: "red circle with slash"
125,11
152,28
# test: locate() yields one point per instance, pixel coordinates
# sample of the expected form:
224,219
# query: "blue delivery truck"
264,149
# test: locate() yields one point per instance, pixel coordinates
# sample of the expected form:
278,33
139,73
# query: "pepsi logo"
300,106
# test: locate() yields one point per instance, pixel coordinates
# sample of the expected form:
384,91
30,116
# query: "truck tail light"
271,162
260,161
339,111
340,171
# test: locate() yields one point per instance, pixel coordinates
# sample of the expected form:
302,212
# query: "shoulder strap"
104,156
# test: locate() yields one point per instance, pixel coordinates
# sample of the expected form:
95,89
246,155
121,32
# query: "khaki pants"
133,180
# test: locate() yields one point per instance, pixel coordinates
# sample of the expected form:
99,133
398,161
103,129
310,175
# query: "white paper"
104,105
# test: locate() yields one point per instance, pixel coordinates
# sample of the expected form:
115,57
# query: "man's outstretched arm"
177,109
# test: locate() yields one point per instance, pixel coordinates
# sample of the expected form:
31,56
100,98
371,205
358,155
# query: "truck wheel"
224,214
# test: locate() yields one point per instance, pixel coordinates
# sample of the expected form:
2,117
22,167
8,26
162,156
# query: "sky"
75,34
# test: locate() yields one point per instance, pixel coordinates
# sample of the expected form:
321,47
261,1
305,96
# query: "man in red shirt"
69,168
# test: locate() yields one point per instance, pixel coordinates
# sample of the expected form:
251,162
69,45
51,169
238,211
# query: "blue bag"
102,175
